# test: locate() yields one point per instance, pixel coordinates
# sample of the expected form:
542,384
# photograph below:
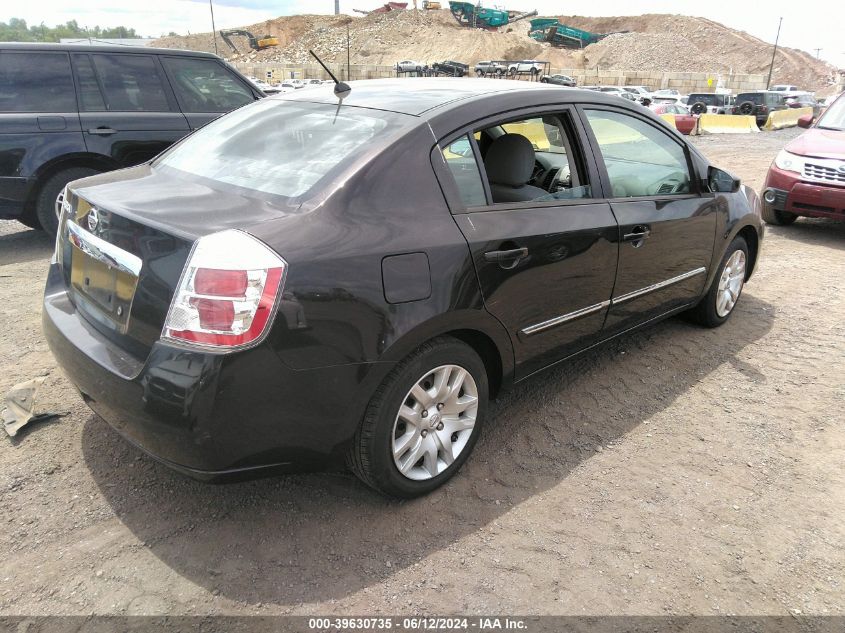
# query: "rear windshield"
754,97
707,99
279,147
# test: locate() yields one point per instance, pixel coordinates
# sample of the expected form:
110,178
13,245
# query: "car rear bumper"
209,415
786,191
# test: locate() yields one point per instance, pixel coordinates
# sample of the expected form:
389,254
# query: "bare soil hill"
648,42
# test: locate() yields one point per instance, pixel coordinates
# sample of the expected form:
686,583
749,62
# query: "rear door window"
205,85
35,81
131,83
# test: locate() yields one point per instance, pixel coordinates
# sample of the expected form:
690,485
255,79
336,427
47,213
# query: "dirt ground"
678,470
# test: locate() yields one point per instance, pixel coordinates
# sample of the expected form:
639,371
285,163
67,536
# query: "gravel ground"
677,470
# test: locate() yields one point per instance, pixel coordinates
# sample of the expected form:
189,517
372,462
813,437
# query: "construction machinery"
255,43
558,34
430,6
477,17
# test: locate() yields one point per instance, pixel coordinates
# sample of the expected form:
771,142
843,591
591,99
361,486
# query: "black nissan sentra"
308,280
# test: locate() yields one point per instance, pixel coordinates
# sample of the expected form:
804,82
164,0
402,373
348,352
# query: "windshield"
278,147
834,116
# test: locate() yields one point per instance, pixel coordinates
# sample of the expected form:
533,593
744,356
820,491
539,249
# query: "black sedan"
276,291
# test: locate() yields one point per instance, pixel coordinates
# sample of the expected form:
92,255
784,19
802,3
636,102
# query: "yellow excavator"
255,43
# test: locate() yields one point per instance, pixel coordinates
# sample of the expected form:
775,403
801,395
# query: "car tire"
746,107
45,201
479,73
778,218
378,450
718,304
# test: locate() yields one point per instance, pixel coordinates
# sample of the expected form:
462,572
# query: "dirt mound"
668,43
679,43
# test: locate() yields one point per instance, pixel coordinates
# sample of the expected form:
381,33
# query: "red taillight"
222,283
228,293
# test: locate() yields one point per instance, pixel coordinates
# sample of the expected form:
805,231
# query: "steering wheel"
675,180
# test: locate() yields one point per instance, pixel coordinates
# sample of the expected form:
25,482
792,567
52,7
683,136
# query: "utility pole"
213,28
774,52
348,65
818,50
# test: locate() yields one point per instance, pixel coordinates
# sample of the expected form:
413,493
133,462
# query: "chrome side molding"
658,286
571,316
102,251
545,325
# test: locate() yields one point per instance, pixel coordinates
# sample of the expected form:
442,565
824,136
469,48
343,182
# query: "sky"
807,25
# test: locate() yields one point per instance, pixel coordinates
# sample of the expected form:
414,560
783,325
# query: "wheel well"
486,348
81,160
753,241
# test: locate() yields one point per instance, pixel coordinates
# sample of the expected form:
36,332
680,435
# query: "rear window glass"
755,98
36,82
706,99
279,147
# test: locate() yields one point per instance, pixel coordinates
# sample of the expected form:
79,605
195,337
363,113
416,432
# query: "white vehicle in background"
643,93
264,87
619,92
410,66
528,66
677,99
666,92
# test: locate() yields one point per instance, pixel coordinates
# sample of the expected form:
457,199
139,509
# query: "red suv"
808,175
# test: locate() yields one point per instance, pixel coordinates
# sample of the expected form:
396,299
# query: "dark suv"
760,104
71,111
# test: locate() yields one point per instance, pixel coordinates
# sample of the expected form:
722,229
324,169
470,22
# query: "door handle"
637,234
507,259
102,131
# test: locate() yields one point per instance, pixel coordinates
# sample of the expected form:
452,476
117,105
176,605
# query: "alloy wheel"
435,422
730,283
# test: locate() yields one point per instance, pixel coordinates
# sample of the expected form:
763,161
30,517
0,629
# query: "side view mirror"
721,181
805,120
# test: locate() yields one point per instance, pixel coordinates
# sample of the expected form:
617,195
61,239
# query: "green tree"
16,30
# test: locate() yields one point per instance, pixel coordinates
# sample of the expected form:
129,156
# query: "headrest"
510,160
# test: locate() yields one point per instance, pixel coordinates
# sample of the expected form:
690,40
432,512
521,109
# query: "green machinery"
558,34
476,16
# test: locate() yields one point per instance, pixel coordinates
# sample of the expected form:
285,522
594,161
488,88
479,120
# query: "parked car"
316,304
451,68
490,68
69,111
760,104
805,101
619,92
559,80
264,87
710,103
787,88
684,121
643,94
808,175
531,67
675,99
666,92
410,66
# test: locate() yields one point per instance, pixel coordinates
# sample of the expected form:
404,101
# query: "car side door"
546,267
206,88
666,225
125,106
38,120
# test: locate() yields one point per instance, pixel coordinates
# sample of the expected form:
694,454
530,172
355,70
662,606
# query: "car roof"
421,96
100,48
